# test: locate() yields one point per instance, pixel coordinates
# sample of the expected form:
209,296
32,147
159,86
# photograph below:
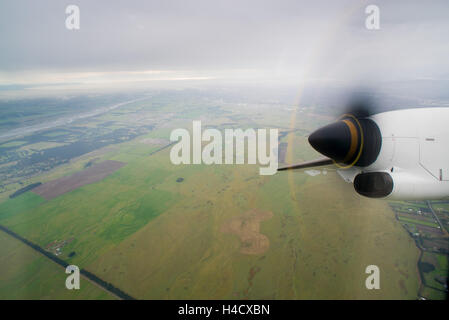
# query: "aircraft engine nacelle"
395,155
398,186
374,184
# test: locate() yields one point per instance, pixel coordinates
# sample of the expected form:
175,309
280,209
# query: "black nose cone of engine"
333,140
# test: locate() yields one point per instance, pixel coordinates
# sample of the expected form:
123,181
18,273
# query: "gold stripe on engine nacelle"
354,140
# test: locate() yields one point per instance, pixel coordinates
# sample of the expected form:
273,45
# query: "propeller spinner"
349,141
352,140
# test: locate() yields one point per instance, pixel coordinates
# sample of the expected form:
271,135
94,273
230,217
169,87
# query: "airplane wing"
308,164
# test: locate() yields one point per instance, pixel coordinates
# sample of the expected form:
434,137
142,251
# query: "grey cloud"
284,37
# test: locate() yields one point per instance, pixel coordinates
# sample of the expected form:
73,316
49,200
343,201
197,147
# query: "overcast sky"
293,40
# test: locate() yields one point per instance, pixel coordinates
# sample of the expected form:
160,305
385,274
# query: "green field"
26,274
440,265
441,206
314,251
12,144
416,221
102,213
156,238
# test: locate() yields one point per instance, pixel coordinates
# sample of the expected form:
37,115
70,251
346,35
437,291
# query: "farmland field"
28,275
426,223
161,231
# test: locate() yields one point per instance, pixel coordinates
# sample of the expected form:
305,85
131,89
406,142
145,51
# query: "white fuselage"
415,152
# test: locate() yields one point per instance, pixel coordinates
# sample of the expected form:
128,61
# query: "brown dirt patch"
96,172
247,228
